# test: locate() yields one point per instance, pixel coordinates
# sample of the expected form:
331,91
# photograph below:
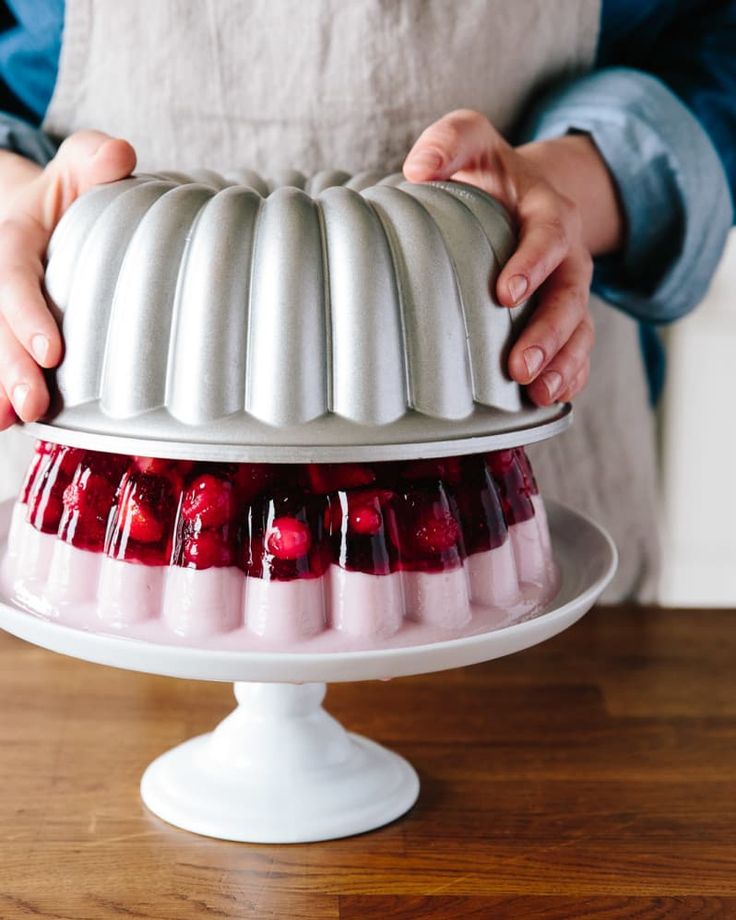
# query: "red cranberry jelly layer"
280,521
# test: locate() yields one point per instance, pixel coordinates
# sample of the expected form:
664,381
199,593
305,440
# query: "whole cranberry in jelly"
365,520
288,538
210,500
429,531
363,531
283,537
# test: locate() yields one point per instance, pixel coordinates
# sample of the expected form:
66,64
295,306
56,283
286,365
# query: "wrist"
575,168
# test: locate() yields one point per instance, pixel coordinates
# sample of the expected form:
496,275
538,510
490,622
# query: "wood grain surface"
593,776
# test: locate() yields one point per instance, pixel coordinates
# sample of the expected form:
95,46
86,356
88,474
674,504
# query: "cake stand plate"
279,769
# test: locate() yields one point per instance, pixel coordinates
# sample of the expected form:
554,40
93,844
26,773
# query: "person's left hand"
565,204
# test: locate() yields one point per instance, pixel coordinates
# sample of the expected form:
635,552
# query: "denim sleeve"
671,183
30,142
691,46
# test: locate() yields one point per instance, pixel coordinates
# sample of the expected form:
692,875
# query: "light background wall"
698,436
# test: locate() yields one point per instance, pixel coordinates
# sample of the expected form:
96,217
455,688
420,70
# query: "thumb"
460,140
85,159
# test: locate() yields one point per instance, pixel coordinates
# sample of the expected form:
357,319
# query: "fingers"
562,373
553,347
29,336
457,141
551,355
549,229
88,158
85,159
22,303
578,384
562,306
20,377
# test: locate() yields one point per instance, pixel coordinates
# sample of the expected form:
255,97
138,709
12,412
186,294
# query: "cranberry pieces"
530,483
251,479
447,469
512,474
45,498
338,477
438,532
207,549
143,526
500,461
429,534
479,507
142,523
207,519
152,465
88,491
280,521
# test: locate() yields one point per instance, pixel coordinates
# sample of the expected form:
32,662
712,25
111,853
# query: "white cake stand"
279,769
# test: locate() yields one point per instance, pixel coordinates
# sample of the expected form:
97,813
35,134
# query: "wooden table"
593,776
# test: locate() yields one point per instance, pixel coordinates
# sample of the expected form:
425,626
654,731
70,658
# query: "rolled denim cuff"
671,183
25,139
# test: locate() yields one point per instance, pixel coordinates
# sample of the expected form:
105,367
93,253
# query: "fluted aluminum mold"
322,318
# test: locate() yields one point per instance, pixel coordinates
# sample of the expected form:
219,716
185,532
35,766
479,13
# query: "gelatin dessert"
279,556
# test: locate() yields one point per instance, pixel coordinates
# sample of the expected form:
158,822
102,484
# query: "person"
615,175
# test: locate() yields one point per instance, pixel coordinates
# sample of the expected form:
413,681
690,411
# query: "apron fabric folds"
274,85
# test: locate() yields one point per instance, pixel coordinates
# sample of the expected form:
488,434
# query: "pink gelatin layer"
280,556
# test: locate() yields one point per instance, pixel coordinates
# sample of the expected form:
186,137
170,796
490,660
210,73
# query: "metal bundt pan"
299,320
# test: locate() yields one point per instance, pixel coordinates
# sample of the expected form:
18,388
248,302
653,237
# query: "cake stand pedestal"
279,769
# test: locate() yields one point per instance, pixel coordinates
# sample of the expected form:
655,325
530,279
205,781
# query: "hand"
565,203
29,336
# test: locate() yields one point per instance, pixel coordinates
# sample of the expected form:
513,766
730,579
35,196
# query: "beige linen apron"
313,84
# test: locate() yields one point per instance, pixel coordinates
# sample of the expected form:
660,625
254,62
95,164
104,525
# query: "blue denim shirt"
660,106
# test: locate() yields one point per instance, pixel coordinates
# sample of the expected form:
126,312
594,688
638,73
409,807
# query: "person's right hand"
29,337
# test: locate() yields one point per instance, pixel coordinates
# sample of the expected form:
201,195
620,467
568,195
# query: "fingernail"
552,381
20,395
40,348
428,160
533,358
517,287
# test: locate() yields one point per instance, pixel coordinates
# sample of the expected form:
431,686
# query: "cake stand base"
279,769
